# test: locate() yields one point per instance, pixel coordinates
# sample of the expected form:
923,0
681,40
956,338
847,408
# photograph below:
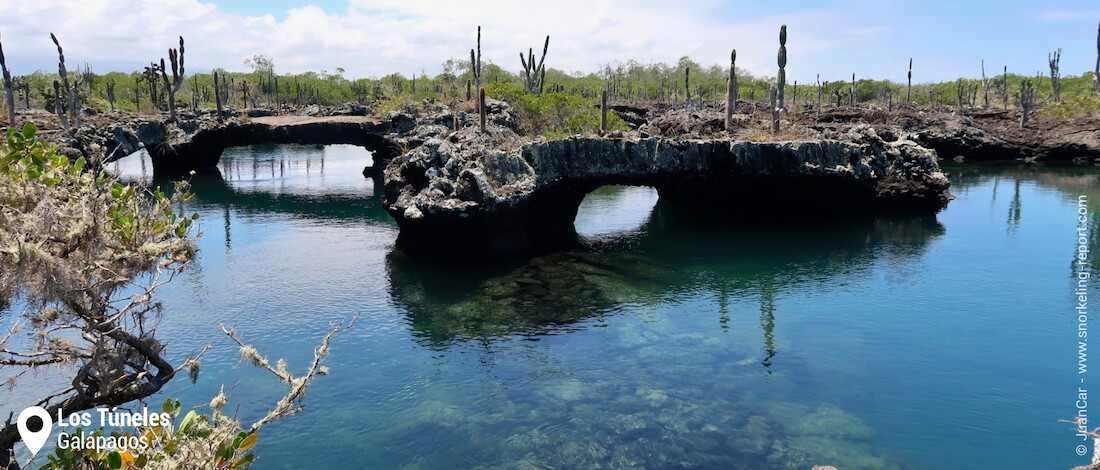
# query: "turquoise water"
659,342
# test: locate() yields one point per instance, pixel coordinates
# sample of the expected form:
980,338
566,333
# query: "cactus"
909,88
603,111
71,93
1055,77
775,110
481,106
467,90
781,78
731,91
244,93
1027,94
533,75
1004,89
217,97
176,58
111,93
852,92
820,88
688,103
1096,73
985,87
475,62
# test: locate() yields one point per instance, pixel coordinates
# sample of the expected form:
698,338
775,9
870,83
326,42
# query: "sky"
947,39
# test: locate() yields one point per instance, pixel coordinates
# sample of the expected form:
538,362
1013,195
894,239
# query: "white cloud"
378,37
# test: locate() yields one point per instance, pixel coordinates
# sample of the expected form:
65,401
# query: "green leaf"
248,442
244,461
28,130
187,421
114,460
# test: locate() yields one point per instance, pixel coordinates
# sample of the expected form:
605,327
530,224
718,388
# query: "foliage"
80,258
1077,106
552,114
202,441
167,444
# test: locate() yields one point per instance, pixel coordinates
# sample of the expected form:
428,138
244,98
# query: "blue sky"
947,39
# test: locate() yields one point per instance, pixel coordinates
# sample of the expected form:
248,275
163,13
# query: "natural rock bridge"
189,146
458,191
460,196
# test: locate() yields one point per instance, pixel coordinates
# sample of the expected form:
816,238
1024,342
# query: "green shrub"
1078,106
552,115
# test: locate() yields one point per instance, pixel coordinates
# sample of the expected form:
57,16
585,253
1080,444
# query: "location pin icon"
34,439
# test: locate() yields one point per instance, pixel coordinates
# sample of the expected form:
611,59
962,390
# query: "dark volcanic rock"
477,195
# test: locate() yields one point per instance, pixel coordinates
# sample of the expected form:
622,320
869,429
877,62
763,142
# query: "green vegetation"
630,81
82,253
552,115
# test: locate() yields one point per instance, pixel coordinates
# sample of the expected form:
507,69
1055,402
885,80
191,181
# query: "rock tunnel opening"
613,211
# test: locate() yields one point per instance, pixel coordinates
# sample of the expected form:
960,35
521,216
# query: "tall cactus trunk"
218,98
909,87
731,91
481,110
73,99
781,78
603,111
775,110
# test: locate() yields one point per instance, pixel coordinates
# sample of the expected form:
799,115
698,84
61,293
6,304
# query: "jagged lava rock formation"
474,193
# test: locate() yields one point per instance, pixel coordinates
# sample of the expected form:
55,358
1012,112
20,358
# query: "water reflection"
1070,182
669,343
671,256
304,181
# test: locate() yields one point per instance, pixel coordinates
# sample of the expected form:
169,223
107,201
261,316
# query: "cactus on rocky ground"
111,93
909,88
820,88
688,102
1055,76
533,75
244,93
475,62
775,109
70,93
731,91
852,92
603,110
781,78
481,110
1096,73
217,97
1027,94
1004,89
176,58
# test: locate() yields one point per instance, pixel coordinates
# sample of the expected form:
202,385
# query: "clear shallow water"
903,342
